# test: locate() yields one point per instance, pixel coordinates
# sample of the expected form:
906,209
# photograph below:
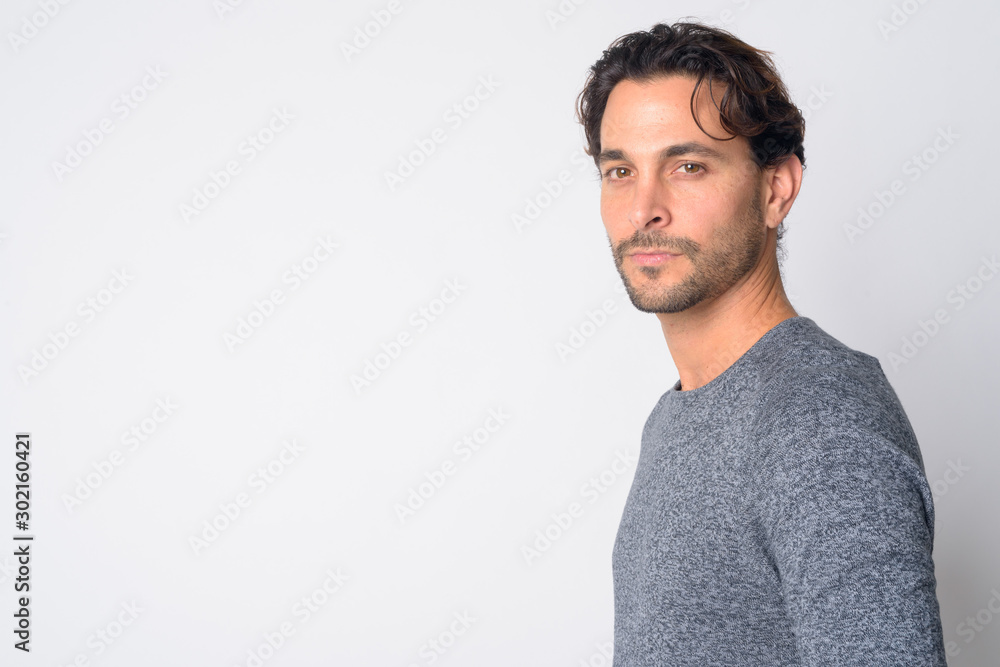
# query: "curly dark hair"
756,105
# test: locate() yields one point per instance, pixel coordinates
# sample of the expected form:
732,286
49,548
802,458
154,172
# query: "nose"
649,206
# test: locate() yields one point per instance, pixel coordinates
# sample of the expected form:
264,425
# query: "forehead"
659,111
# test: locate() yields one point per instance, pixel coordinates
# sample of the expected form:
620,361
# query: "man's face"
682,210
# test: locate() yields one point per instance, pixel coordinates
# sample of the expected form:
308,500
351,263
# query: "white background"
875,98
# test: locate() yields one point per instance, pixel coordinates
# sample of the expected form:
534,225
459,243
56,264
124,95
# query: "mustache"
674,244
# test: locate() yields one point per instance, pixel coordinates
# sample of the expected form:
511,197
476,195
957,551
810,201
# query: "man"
780,512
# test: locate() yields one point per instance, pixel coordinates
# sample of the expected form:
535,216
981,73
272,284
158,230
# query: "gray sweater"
779,515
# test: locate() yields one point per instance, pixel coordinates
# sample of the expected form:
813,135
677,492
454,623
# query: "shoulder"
828,418
816,392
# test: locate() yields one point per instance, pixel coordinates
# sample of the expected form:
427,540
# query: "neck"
706,339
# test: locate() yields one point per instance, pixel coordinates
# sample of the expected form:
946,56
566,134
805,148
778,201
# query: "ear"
780,188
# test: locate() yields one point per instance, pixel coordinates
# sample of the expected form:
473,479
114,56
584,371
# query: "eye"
697,168
618,172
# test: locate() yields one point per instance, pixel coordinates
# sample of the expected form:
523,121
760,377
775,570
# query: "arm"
849,521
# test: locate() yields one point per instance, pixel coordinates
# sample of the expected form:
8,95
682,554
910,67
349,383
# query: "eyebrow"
677,150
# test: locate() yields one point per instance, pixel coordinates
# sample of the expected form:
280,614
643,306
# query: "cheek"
709,219
701,202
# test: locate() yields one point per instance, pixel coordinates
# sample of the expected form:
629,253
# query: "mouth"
652,257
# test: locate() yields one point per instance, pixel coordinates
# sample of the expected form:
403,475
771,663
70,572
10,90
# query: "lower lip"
651,260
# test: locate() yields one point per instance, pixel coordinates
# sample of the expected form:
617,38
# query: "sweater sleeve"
849,523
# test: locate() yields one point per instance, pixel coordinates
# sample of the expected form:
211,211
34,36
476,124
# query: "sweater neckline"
721,382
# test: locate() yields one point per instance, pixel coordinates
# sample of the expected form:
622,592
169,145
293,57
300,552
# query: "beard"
737,249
